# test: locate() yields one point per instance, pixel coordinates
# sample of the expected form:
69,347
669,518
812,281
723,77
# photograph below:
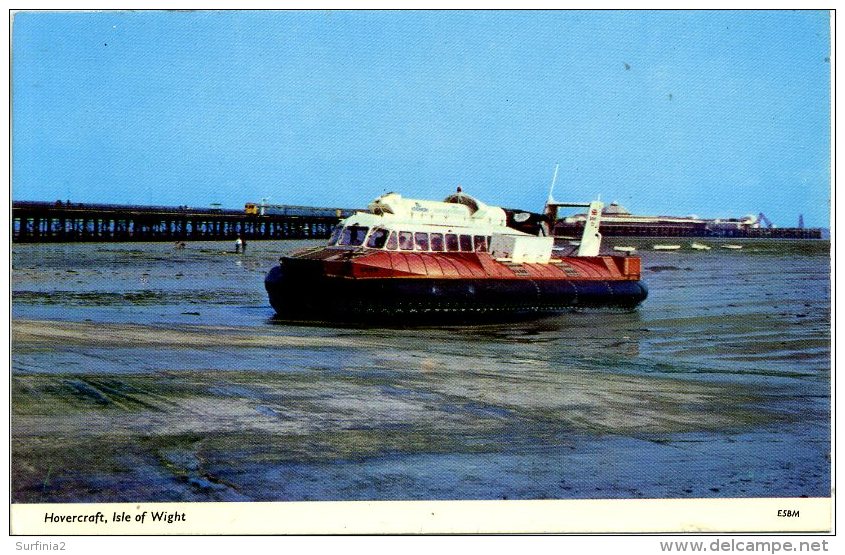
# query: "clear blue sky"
712,113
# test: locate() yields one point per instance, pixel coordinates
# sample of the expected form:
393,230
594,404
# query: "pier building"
59,221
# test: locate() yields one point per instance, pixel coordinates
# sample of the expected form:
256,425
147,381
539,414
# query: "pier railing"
34,222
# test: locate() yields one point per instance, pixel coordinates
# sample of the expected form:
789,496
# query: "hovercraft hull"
314,290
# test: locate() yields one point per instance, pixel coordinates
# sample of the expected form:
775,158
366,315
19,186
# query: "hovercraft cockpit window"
452,242
335,235
437,242
466,243
377,238
392,242
353,235
420,241
480,242
406,240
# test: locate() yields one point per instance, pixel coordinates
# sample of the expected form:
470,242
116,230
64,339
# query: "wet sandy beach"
144,374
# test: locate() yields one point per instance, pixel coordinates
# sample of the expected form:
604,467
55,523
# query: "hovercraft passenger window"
377,238
466,243
452,242
392,242
480,243
353,235
335,235
420,241
406,240
437,242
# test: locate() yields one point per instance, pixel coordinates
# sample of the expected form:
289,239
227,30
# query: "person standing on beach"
238,243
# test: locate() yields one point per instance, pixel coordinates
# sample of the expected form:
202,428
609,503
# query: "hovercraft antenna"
551,199
550,210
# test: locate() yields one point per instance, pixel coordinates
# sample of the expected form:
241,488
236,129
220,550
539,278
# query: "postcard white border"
791,515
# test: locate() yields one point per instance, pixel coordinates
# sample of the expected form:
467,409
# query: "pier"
58,222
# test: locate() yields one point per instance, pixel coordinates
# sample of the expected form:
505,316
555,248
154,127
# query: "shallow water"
140,372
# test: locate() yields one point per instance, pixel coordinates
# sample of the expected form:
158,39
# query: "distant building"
618,221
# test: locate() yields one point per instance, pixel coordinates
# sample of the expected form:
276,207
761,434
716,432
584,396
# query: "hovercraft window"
392,241
437,242
353,235
377,238
466,243
335,235
420,241
452,242
406,240
480,243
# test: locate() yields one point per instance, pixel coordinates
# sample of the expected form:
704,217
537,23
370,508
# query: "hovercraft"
421,260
